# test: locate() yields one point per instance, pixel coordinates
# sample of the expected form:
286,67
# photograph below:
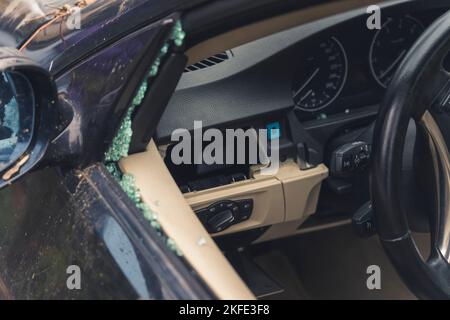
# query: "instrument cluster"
342,65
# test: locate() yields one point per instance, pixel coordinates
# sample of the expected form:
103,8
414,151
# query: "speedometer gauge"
390,45
322,76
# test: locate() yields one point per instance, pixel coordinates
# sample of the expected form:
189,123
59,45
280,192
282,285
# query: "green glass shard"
173,246
114,170
178,34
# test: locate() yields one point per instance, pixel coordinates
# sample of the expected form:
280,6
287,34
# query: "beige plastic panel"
267,195
291,194
301,189
179,222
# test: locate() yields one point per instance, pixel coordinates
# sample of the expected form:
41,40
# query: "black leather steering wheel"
420,90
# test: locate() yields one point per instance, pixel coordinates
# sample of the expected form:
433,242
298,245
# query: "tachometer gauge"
390,45
322,76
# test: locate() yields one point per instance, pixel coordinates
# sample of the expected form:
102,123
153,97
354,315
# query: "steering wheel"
420,90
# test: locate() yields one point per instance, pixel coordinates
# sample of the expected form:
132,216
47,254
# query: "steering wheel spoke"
436,122
441,163
440,91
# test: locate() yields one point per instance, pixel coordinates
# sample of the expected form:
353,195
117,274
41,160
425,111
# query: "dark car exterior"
69,210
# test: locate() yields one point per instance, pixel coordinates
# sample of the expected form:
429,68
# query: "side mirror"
27,114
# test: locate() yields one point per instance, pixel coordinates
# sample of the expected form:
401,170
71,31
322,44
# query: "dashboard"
327,71
319,84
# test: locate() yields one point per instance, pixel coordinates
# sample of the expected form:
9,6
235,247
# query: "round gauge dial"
390,45
321,78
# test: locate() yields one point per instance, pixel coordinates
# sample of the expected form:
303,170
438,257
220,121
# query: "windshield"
19,18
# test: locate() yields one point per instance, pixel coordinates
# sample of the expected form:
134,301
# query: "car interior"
318,75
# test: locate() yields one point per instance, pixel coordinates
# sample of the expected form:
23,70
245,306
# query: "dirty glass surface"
16,116
19,18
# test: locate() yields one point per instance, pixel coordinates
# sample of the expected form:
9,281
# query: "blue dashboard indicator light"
273,130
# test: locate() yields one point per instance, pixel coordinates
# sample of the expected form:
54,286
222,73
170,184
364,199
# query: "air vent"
209,62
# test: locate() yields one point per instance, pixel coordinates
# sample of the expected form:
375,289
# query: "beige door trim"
180,223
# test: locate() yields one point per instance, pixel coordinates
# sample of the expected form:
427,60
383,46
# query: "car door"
68,228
